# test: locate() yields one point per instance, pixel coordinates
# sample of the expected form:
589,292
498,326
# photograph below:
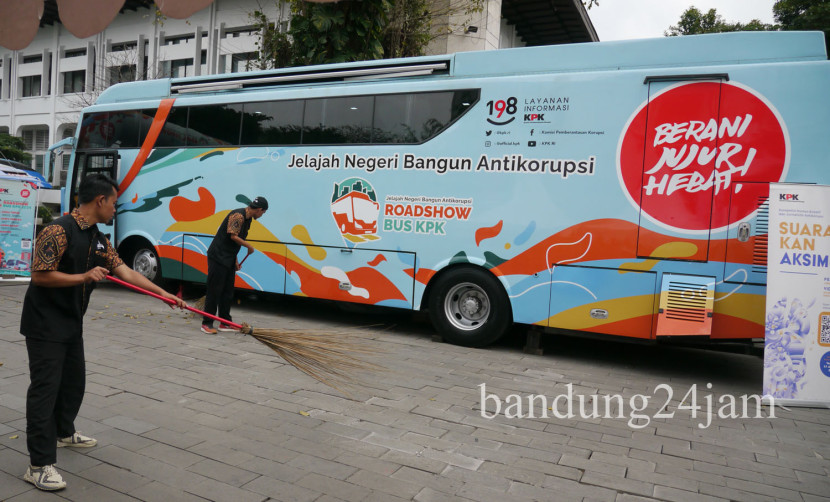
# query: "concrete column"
197,58
90,67
7,77
45,79
140,54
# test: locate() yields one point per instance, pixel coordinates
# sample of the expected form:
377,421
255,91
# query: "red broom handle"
171,302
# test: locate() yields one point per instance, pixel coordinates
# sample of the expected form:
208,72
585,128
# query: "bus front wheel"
469,307
146,262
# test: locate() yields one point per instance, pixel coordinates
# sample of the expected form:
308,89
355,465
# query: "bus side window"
336,121
272,123
418,117
214,125
174,132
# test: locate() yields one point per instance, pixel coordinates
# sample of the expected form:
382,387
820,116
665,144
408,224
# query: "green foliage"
355,31
804,15
274,46
337,32
13,148
45,215
695,22
408,30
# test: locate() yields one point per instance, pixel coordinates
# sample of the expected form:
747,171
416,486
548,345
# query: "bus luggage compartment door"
679,160
262,271
603,300
373,277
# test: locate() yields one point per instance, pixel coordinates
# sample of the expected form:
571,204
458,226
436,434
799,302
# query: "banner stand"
18,209
797,323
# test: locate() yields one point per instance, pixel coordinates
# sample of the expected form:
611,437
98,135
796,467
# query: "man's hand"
95,275
179,302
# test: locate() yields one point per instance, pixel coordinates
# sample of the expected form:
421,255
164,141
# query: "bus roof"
668,52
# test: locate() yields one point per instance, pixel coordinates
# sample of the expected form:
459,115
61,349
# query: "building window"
178,40
74,53
30,86
243,62
64,155
240,32
73,81
177,68
123,73
36,140
33,59
124,46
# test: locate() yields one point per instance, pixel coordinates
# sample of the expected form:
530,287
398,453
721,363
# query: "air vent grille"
686,302
759,253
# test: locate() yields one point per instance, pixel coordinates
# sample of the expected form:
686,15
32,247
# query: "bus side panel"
611,301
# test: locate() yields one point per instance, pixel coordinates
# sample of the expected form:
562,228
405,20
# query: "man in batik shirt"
71,255
223,262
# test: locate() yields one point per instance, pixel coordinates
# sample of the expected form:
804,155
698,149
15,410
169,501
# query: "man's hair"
94,185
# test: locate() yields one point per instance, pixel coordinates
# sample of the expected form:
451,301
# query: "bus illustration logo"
686,153
355,208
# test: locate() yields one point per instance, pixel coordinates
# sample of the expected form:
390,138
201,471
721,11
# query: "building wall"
479,31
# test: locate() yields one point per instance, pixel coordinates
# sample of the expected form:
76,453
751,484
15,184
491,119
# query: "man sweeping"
71,255
223,263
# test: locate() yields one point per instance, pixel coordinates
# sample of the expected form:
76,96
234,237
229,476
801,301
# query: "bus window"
414,118
214,125
272,123
125,129
145,122
94,130
174,132
333,121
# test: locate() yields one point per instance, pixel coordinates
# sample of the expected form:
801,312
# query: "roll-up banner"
18,207
797,345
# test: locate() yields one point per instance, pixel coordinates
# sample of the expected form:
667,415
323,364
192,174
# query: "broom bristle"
198,304
334,359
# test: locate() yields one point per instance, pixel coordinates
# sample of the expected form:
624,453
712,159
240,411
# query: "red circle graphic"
685,153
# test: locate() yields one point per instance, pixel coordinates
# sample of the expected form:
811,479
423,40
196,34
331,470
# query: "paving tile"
185,417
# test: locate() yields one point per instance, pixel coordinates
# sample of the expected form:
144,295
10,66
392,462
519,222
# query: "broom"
330,360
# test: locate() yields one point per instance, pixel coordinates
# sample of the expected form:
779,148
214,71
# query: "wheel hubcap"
146,263
467,306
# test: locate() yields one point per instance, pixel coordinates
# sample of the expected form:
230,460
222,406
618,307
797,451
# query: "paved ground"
180,415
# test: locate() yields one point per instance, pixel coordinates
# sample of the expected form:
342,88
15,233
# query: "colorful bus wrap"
618,188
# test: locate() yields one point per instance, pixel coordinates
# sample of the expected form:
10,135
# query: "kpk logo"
355,209
694,139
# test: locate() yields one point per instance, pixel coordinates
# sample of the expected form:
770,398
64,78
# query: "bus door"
679,159
86,163
746,244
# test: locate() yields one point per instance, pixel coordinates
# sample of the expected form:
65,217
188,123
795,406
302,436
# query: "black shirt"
72,246
223,249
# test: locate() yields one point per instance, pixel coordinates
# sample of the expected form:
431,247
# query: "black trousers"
57,372
220,281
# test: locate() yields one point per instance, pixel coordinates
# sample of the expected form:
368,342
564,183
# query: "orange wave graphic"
184,209
488,232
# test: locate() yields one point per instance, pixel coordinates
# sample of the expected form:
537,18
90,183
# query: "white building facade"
44,86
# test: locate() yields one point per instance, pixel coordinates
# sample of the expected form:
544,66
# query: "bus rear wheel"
469,307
